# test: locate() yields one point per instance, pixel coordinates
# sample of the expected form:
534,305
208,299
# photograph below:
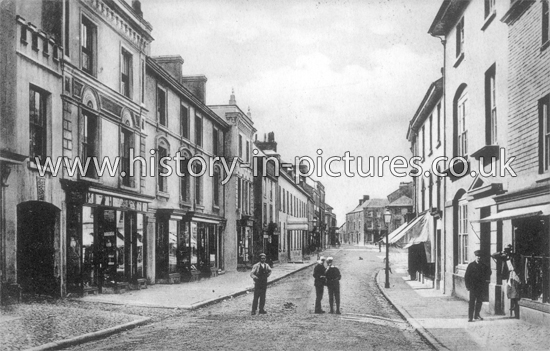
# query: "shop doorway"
37,228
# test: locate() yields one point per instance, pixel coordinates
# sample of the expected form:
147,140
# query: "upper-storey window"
126,74
88,43
490,107
462,132
545,21
240,146
38,132
184,121
89,139
438,123
126,144
162,179
198,130
215,141
489,7
460,37
161,107
544,128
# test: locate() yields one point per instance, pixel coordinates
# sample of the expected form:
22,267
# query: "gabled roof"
370,203
402,201
447,16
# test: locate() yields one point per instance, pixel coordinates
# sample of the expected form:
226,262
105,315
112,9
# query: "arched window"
162,177
460,114
185,182
197,169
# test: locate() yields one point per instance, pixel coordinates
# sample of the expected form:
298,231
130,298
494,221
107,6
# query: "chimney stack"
136,5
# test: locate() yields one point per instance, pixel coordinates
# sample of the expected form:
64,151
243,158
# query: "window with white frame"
491,107
489,7
460,37
126,74
161,107
545,21
462,131
544,132
88,45
462,233
38,130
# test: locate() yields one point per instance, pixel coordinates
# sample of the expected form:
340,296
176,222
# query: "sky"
331,75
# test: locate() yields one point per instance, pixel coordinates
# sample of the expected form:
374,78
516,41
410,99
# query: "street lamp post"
387,220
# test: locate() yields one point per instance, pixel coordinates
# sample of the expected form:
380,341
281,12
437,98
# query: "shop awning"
409,228
297,224
395,232
540,210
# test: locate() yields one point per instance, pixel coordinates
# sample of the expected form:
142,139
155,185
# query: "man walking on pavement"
475,278
333,277
260,272
320,282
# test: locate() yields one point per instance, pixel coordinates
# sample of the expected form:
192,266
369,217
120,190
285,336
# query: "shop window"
88,45
38,130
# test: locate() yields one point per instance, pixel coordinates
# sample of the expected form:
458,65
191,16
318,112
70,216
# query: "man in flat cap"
475,278
320,282
260,272
333,284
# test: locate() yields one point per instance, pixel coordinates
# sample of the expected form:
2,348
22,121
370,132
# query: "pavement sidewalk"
188,296
44,325
443,320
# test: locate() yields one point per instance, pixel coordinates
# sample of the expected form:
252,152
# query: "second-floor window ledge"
162,194
458,60
489,19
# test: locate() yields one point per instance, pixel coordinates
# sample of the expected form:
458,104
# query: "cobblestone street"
368,321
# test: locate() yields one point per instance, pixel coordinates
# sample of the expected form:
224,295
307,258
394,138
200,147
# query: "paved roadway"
368,321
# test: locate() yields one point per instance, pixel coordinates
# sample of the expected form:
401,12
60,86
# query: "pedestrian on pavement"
260,272
475,278
380,246
508,263
320,282
333,277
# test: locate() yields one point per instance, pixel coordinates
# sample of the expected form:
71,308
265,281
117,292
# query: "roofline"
151,63
436,90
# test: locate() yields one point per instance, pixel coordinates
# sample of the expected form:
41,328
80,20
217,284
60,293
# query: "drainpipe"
444,110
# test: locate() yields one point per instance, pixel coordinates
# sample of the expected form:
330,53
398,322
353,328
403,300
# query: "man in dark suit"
475,278
333,284
260,272
320,281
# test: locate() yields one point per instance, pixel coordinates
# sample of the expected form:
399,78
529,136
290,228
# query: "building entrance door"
37,224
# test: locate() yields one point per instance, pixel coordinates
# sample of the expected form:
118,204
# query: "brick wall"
529,80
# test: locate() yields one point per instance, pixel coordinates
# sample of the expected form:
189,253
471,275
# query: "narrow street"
368,321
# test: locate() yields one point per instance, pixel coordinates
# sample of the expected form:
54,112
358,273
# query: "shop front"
105,242
188,247
244,241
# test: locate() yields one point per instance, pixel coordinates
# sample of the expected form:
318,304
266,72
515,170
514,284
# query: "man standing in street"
333,277
320,281
475,278
260,272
